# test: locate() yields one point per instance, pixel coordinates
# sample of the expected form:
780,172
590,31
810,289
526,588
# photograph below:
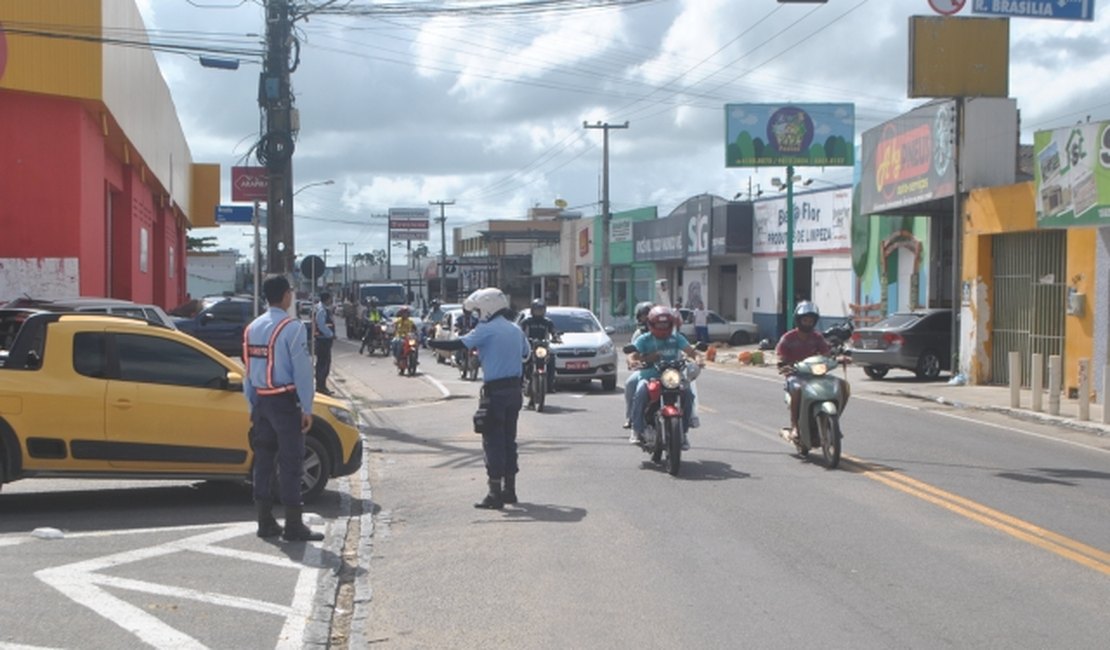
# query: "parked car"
115,306
445,331
919,341
142,402
721,330
220,324
585,351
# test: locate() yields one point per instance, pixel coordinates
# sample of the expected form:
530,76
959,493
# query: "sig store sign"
822,223
1072,176
909,159
777,135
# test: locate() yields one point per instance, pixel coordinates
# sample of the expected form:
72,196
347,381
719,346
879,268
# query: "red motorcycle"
410,354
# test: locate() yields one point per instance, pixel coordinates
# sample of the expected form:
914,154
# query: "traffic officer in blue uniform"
278,387
323,323
502,347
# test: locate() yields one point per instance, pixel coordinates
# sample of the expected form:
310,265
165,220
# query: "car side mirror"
609,329
628,349
234,380
205,317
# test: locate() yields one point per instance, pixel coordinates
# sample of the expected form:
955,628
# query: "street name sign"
234,213
1060,9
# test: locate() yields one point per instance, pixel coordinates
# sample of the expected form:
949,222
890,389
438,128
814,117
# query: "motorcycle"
410,353
838,336
535,388
823,398
467,362
375,338
663,415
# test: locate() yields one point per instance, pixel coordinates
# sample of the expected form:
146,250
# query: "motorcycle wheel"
412,364
828,428
539,392
473,371
673,436
657,446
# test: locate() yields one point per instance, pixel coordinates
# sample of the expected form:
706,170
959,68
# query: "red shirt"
792,348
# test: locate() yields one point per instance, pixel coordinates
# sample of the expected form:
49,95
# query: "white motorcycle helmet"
484,303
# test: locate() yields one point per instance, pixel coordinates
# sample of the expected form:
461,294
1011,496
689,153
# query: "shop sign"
822,223
250,184
1072,176
659,239
408,224
777,135
909,159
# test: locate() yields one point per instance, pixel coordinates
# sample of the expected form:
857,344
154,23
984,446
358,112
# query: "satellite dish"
560,203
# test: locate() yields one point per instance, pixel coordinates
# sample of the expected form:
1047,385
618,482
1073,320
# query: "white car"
731,332
585,351
446,332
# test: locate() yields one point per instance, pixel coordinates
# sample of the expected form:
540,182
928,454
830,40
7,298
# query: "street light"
305,187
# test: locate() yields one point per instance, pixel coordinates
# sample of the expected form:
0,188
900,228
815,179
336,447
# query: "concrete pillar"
1084,390
1054,380
1015,379
1036,381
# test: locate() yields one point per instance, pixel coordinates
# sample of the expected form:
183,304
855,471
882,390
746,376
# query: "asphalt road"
943,528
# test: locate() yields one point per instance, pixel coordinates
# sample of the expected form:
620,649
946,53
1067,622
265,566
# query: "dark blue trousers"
323,362
276,438
499,440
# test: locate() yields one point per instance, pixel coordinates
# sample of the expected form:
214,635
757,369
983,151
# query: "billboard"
408,224
959,57
250,184
822,223
909,159
777,135
1072,175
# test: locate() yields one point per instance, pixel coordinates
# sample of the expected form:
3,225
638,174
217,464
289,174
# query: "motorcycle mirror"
628,349
701,347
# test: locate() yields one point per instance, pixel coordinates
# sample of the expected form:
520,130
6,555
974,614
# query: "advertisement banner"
777,135
249,184
909,159
659,239
408,224
1072,176
822,223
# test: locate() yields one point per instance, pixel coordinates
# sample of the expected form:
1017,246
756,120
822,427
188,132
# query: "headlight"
818,368
606,348
343,415
671,379
541,352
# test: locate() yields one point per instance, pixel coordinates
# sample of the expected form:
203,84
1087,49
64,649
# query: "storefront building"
98,184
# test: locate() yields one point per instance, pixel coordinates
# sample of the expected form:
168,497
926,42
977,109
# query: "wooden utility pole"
605,315
275,150
442,221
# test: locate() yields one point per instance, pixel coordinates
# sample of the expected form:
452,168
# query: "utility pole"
275,150
605,315
346,286
442,221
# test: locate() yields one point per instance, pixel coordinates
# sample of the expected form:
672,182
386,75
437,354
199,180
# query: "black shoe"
324,391
493,500
508,494
295,530
267,525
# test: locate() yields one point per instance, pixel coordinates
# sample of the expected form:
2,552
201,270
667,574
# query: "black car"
221,324
920,341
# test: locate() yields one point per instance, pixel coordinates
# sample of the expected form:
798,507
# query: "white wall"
833,282
49,278
765,285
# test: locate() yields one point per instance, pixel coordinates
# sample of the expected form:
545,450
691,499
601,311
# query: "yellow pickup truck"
109,397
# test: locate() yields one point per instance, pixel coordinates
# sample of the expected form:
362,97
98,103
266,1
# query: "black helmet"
643,309
806,308
538,307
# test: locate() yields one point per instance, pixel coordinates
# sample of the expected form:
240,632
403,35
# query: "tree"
200,243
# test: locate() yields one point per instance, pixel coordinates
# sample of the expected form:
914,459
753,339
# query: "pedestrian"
277,383
502,348
323,324
701,323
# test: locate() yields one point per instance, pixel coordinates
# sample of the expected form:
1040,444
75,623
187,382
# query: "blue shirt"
671,348
502,347
292,365
322,329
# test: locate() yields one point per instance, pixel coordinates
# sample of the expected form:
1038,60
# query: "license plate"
869,344
578,365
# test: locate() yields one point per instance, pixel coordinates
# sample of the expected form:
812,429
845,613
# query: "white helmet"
486,302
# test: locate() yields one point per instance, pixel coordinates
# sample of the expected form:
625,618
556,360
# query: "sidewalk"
981,398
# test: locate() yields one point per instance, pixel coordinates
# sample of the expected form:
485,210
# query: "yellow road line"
1066,547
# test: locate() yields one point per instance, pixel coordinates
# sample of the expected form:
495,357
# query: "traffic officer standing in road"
502,348
324,325
278,387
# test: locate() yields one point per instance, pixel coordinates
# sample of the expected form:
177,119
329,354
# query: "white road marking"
82,582
438,384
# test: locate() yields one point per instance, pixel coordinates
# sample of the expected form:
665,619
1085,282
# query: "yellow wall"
206,195
1079,330
53,66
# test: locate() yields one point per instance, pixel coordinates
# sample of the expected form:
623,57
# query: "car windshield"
574,322
896,321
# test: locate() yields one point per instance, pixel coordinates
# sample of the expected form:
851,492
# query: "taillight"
856,337
890,338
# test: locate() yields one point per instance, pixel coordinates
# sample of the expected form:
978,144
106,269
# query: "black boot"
295,530
508,495
493,500
267,525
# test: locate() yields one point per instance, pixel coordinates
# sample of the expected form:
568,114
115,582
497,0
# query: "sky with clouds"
489,111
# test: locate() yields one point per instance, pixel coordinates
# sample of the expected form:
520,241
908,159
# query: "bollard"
1036,382
1105,411
1084,390
1054,380
1015,380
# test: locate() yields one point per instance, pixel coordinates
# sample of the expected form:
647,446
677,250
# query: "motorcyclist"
665,343
463,324
372,321
630,384
402,327
796,345
538,327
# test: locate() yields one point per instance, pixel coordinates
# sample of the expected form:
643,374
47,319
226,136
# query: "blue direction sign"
1061,9
234,213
